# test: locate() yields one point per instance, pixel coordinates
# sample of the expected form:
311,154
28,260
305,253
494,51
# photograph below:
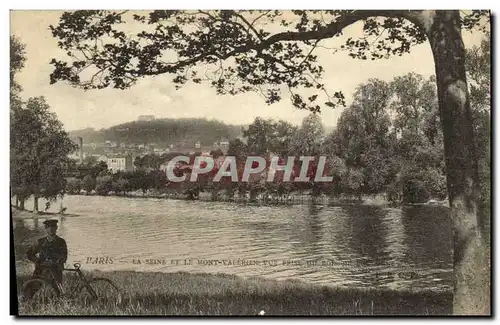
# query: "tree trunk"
17,201
470,250
35,204
214,193
21,203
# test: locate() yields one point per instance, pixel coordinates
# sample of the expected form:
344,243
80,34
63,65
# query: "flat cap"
50,223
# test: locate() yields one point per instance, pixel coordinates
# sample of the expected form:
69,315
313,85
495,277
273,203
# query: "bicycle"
92,290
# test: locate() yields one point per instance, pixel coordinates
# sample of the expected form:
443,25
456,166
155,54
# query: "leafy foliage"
74,186
264,51
364,141
308,139
120,185
17,60
149,162
478,63
104,185
237,148
88,183
39,151
264,136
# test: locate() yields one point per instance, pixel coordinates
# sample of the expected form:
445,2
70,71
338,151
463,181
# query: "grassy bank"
204,294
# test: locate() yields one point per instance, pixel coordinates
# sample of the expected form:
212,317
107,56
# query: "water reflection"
315,226
428,236
366,234
360,246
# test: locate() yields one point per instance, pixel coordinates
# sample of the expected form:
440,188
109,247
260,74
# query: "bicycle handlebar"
76,267
47,264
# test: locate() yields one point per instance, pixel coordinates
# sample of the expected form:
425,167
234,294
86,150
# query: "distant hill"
162,132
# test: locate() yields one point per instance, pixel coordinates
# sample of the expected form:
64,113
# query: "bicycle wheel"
38,291
101,291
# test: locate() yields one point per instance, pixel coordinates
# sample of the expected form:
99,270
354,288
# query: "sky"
78,109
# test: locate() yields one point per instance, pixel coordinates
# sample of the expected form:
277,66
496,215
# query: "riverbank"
219,294
295,199
16,213
292,199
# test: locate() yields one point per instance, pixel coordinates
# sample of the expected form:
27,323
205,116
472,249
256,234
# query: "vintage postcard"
250,162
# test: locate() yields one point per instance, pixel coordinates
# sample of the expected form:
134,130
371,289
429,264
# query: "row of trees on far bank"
118,183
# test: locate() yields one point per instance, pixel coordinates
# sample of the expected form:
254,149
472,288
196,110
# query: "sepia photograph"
250,162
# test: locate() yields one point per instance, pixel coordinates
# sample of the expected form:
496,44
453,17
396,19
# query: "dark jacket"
54,251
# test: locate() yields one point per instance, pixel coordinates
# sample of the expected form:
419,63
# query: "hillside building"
117,163
146,118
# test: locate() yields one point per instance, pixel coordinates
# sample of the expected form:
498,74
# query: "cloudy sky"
79,109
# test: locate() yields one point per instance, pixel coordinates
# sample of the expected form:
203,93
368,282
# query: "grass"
219,294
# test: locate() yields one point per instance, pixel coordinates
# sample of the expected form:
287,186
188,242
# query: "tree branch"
250,41
250,25
327,31
337,26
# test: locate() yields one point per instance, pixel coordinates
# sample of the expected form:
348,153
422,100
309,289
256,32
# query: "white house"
120,163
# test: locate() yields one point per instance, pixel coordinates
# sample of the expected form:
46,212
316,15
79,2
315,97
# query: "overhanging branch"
328,31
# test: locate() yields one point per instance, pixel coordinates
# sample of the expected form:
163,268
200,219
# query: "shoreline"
297,200
182,293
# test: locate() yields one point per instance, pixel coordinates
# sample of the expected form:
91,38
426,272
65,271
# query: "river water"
354,246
